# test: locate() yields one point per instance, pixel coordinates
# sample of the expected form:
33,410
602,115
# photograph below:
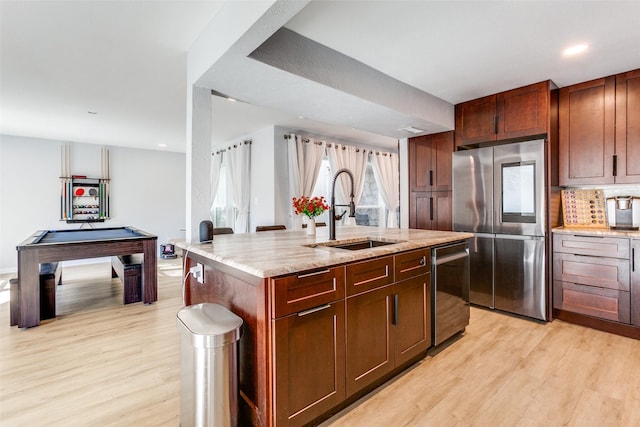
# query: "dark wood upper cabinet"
430,171
628,127
476,121
513,114
430,162
587,132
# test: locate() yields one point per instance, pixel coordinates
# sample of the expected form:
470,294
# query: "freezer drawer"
519,279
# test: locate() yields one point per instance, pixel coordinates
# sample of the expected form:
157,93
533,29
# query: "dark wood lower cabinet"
430,210
412,318
309,363
369,335
596,282
635,282
386,328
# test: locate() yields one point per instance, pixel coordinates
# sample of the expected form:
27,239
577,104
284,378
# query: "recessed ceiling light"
301,117
574,50
162,145
413,130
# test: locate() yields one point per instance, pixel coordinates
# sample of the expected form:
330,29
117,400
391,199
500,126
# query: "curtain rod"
329,145
230,147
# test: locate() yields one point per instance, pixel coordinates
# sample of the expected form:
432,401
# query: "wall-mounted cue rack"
84,199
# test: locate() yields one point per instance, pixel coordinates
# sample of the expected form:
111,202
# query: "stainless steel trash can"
209,365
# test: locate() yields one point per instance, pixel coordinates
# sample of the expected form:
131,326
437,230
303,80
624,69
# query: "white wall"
147,190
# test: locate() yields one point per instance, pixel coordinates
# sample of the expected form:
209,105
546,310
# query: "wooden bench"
50,276
129,269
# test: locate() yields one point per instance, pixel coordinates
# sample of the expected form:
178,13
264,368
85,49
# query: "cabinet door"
628,127
297,292
523,112
609,304
635,282
599,271
368,275
442,210
420,163
587,131
412,317
430,162
369,338
431,211
441,160
309,363
420,210
475,121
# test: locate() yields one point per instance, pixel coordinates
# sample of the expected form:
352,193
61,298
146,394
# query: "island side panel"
246,296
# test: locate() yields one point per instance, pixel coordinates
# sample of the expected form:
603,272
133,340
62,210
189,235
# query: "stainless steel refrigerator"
499,196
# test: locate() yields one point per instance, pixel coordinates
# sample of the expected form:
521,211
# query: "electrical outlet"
197,272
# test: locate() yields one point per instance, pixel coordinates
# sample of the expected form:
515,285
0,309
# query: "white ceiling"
126,61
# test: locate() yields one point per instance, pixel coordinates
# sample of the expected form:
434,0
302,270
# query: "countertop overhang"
277,253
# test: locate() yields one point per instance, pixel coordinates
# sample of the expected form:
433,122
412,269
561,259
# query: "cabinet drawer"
366,275
303,291
411,264
610,273
607,304
591,245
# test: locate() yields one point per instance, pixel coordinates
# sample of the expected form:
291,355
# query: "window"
370,208
224,212
323,188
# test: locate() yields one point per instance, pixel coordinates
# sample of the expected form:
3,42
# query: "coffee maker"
623,212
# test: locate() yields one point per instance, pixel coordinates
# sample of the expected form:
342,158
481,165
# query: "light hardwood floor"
100,363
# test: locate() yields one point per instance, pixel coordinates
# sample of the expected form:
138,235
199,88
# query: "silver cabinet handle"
315,273
314,310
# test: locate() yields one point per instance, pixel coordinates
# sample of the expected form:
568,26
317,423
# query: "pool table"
62,245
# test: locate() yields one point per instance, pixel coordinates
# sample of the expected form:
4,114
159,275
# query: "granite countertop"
597,232
276,253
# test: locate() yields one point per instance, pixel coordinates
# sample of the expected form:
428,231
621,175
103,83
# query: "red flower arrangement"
310,207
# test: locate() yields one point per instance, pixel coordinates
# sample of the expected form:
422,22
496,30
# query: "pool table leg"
149,272
29,284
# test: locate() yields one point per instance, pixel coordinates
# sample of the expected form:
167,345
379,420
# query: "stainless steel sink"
355,245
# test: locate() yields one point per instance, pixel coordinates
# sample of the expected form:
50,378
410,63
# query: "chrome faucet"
332,209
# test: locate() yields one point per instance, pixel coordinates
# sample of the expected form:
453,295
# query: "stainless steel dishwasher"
450,282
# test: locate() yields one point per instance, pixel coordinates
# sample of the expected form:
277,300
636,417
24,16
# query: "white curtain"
386,172
304,158
238,162
216,166
354,159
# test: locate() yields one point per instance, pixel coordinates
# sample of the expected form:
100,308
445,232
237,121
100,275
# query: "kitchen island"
322,325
